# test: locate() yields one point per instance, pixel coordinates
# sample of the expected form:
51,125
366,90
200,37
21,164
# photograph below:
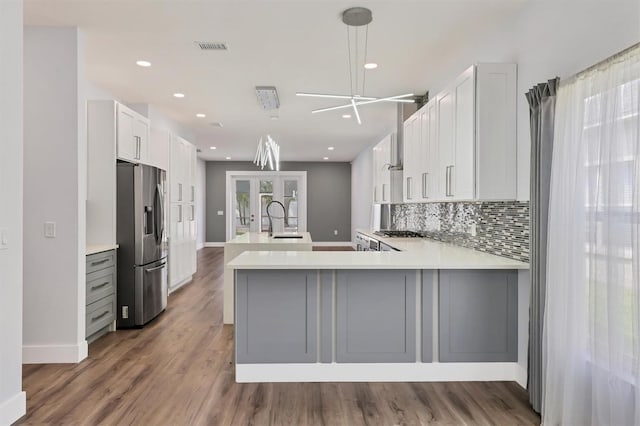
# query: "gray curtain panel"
542,105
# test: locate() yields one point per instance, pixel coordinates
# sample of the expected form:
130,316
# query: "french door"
248,195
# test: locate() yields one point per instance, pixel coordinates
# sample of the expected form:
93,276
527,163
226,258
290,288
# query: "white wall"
54,190
201,187
12,399
361,191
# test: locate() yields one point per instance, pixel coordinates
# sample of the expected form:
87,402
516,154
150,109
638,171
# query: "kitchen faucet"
284,212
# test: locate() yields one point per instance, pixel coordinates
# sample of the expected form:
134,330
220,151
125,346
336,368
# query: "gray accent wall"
328,197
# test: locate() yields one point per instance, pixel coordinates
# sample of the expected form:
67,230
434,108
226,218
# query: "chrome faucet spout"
284,212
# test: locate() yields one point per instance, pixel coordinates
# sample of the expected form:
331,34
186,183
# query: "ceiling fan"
354,18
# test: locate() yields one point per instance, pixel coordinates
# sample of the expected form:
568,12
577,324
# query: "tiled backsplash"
502,227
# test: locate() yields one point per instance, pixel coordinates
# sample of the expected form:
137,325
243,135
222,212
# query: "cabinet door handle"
193,193
99,316
179,192
409,188
424,185
384,192
180,214
446,184
449,181
100,262
95,287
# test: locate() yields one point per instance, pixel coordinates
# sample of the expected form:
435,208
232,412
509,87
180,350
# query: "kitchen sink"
281,236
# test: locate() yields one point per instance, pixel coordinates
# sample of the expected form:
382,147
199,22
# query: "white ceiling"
296,45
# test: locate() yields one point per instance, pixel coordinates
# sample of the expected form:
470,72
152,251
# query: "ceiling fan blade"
355,109
322,95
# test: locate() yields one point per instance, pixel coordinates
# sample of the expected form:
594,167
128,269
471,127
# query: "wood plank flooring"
178,370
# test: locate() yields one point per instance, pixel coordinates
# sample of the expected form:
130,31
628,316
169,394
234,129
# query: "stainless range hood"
403,111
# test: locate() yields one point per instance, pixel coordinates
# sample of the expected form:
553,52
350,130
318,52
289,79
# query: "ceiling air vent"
212,45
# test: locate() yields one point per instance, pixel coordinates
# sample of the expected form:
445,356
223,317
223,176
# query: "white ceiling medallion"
268,153
357,20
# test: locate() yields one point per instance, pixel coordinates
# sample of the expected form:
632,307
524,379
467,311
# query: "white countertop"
99,248
419,254
264,238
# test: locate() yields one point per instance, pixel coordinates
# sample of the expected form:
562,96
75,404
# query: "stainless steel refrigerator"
142,251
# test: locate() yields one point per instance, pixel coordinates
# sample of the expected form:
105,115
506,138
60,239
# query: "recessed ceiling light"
212,147
200,115
143,63
325,158
371,66
346,115
178,95
228,158
331,148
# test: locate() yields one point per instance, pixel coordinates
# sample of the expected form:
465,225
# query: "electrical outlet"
335,232
50,229
472,230
125,312
220,213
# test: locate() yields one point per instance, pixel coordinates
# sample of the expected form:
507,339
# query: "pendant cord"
366,44
350,68
356,60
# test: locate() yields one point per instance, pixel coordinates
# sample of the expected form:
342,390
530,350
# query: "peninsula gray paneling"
326,316
279,316
478,316
427,313
376,316
328,197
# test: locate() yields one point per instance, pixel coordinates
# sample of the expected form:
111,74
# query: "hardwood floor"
179,370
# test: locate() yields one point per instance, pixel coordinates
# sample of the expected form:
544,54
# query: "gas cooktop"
398,234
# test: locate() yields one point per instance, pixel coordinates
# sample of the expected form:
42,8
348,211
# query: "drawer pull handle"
94,319
100,262
100,286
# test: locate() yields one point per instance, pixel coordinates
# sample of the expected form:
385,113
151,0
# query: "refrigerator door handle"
159,219
155,268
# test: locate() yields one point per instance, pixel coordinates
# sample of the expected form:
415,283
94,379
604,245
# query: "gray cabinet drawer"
98,261
100,314
101,284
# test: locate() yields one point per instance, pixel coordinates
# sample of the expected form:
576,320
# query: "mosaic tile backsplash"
502,227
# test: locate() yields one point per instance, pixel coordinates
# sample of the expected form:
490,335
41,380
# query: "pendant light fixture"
357,20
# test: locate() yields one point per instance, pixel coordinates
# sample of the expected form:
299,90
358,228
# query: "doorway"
249,193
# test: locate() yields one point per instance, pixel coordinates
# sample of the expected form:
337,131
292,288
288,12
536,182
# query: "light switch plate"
220,213
50,229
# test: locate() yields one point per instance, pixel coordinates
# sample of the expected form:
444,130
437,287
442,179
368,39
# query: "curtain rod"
598,64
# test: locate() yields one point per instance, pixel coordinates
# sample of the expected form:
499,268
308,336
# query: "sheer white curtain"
592,316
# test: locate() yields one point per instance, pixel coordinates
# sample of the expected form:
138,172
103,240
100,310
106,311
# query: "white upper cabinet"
464,145
383,191
133,135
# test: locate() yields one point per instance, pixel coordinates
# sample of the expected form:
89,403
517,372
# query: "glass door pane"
290,201
265,194
243,216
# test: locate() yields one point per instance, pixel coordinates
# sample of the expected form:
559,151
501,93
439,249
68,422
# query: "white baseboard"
54,354
13,408
378,372
332,244
522,377
214,244
180,284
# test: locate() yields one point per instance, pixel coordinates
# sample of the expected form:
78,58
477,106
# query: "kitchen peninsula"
434,312
253,241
